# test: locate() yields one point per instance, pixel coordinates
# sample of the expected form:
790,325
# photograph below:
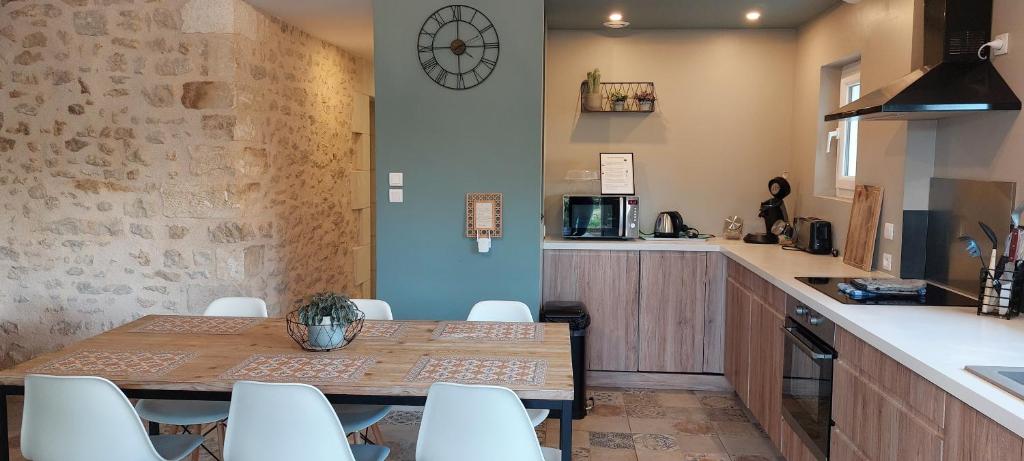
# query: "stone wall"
157,154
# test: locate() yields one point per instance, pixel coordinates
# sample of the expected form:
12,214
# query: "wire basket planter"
327,336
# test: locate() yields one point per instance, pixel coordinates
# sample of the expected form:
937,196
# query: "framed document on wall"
617,174
483,215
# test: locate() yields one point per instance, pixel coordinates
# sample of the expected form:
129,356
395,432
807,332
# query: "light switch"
395,179
886,262
395,196
889,231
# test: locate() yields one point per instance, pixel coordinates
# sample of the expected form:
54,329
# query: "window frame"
845,184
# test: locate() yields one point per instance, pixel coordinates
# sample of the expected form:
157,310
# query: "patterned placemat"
490,331
479,370
383,329
183,324
313,368
116,364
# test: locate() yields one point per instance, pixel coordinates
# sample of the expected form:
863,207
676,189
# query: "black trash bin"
575,314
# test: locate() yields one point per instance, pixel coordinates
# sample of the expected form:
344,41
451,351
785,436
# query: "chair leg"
378,437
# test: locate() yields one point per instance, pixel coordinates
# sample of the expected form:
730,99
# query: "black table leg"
5,446
565,430
154,428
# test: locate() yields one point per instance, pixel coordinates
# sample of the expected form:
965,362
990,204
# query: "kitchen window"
847,133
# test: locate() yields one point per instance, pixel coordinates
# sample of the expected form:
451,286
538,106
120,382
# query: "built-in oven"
600,217
807,376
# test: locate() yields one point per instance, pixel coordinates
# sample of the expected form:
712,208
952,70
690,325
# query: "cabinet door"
878,426
607,282
766,357
971,436
737,338
714,314
672,294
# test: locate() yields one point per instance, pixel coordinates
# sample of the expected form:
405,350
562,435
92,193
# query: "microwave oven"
600,217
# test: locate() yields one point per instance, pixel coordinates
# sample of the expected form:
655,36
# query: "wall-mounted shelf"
628,88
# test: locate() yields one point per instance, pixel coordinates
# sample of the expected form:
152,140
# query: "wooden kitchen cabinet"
755,314
792,446
608,283
737,338
766,357
672,307
971,436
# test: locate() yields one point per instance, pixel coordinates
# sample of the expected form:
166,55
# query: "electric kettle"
669,225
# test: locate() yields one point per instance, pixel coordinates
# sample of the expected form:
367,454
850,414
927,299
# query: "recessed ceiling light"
753,15
615,21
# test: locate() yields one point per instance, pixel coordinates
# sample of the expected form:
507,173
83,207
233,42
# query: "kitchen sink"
1010,379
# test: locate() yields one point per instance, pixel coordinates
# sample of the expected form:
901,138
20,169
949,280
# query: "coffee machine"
773,211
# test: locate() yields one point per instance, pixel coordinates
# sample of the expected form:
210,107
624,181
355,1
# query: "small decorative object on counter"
645,99
733,228
618,100
325,322
592,98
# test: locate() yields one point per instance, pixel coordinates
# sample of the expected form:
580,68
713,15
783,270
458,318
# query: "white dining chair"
277,422
467,422
374,309
507,311
237,307
356,418
500,311
86,418
186,413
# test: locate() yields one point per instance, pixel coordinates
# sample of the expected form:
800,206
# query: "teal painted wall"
485,139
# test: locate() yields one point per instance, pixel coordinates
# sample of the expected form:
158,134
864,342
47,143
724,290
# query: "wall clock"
458,47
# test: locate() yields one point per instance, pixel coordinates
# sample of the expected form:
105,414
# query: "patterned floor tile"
705,457
602,397
654,442
700,444
694,427
729,428
719,401
645,411
601,409
580,454
614,440
747,445
673,399
603,424
727,415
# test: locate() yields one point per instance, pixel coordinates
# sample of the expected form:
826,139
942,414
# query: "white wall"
721,130
882,33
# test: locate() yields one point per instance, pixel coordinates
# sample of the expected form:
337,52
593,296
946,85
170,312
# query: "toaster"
813,235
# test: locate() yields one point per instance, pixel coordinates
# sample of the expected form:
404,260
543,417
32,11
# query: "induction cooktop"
934,294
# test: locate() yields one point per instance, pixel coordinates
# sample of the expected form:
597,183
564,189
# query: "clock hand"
478,37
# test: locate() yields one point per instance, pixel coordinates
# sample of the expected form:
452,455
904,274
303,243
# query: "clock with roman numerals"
458,47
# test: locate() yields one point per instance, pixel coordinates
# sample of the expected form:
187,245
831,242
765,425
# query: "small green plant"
645,96
617,96
594,82
339,308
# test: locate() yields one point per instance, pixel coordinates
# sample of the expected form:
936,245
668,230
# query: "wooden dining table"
388,363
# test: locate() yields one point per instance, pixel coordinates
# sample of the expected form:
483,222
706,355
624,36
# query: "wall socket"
886,262
889,231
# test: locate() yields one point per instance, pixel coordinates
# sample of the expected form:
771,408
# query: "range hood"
959,82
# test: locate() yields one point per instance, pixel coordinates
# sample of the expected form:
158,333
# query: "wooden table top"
389,358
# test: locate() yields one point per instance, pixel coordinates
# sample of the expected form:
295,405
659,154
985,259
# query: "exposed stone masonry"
157,154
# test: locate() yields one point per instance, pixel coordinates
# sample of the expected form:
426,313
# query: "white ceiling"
346,23
683,14
349,23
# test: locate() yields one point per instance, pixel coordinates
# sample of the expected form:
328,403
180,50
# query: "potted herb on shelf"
592,98
327,316
618,100
645,99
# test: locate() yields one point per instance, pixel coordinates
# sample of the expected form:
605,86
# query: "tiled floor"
635,425
625,425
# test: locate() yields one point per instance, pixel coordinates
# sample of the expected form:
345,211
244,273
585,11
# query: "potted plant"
327,317
592,97
645,99
618,100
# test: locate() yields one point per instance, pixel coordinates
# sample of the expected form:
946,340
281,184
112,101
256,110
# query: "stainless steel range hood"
958,83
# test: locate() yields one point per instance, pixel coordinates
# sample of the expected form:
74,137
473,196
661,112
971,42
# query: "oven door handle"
807,348
622,216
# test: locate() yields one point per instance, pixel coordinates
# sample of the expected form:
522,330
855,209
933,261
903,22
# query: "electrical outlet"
890,231
886,262
1006,45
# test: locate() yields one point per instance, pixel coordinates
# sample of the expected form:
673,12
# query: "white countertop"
935,342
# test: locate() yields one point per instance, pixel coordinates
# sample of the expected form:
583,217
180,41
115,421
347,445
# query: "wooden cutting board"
864,216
